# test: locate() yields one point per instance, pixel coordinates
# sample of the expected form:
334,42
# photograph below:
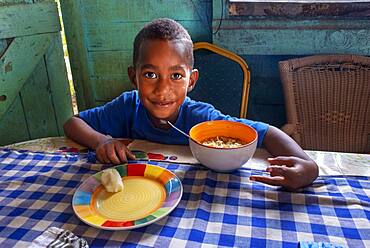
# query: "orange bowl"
222,159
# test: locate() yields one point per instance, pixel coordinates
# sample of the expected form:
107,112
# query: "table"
217,209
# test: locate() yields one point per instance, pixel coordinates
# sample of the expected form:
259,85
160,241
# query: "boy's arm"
279,143
79,131
292,168
108,150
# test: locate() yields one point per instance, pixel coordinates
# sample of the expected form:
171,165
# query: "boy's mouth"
165,104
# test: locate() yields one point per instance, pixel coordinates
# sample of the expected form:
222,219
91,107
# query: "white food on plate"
112,180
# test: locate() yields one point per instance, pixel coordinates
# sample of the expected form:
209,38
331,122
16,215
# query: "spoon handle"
177,129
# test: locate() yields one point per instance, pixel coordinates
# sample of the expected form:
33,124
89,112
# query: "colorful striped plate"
149,194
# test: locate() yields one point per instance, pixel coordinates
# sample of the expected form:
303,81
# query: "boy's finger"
281,161
102,157
114,159
121,154
276,170
129,154
112,156
101,154
275,181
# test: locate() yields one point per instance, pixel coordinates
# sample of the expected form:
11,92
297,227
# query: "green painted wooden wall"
100,36
34,92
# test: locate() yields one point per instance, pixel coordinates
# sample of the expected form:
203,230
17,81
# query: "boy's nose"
163,86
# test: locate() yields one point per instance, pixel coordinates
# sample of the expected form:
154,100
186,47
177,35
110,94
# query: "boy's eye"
176,76
150,75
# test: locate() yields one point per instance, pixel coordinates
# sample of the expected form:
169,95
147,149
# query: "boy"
162,74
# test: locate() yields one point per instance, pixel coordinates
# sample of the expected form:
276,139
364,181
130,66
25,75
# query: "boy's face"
163,77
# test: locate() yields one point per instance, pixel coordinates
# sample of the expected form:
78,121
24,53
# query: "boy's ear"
193,79
132,75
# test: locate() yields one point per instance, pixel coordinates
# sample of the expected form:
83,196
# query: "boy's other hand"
291,173
113,151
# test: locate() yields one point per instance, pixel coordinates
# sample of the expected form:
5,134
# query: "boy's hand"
113,151
291,173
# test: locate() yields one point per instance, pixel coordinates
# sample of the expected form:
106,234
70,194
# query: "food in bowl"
223,142
223,159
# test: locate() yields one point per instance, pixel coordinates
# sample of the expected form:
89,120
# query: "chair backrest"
327,99
221,83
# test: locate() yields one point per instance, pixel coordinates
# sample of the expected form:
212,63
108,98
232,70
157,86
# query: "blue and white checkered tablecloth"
216,209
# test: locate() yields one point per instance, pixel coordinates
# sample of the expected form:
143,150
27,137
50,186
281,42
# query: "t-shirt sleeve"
111,118
260,127
208,112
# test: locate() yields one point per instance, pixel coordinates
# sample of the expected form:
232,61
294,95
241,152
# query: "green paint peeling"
8,67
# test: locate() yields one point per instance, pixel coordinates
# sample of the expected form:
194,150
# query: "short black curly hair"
164,29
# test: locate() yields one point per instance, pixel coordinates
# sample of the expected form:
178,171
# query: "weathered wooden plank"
110,63
268,38
13,127
143,11
12,2
109,88
76,42
38,105
120,36
298,36
18,62
109,73
299,9
59,85
27,19
304,24
247,35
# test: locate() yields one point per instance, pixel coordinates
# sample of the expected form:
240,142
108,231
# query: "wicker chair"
327,99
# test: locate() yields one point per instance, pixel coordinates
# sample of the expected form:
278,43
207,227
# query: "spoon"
176,128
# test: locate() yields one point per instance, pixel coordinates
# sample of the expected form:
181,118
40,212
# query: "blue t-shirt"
126,117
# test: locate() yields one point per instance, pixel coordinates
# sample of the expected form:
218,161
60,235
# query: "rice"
223,142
